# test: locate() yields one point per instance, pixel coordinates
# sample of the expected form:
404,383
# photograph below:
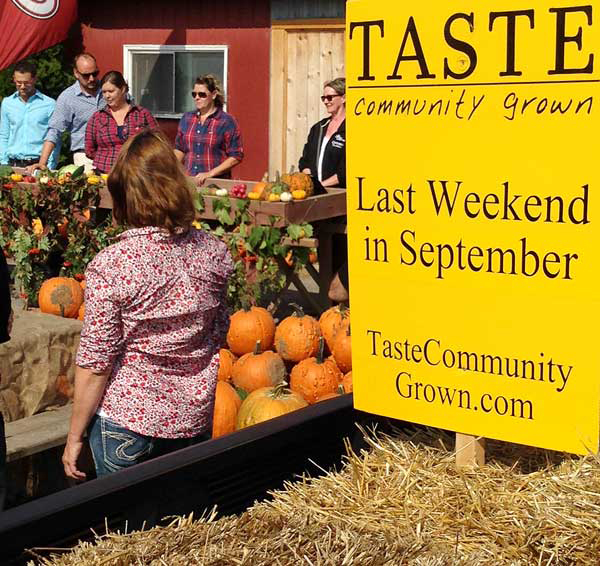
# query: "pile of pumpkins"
62,296
262,358
287,187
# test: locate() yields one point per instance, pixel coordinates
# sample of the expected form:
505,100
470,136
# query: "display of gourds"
259,377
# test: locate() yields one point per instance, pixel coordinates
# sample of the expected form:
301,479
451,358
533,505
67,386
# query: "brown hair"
149,186
212,84
115,78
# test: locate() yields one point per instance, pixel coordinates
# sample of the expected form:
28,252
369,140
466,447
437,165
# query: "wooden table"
326,212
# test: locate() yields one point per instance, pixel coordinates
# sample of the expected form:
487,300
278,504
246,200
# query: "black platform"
231,472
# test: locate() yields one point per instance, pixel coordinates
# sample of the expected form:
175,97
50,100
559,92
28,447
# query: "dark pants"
2,463
115,447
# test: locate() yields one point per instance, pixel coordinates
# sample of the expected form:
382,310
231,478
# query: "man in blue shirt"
74,107
24,119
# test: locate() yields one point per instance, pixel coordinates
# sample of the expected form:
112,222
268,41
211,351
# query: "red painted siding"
243,25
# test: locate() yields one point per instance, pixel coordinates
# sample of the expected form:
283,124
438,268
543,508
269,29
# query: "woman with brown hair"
109,127
208,139
154,322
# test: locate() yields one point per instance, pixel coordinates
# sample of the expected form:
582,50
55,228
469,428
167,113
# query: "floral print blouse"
156,317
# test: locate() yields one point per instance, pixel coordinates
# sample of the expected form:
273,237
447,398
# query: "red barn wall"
242,25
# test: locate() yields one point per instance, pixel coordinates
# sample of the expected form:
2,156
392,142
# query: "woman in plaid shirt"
109,128
208,139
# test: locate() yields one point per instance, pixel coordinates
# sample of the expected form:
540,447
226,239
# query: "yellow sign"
474,216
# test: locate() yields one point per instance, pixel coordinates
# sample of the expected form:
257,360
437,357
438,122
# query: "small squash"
247,326
315,377
255,370
226,360
227,405
61,296
267,403
331,321
342,350
297,336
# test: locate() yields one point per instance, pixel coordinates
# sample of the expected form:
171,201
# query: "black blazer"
334,159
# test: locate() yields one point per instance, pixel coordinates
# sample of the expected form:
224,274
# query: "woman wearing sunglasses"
110,127
324,155
208,139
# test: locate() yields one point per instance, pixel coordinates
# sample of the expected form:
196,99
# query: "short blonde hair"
339,85
149,186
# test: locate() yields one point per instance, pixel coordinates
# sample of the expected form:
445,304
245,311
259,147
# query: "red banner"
28,26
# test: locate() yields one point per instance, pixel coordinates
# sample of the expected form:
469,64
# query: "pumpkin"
226,361
299,181
267,403
227,405
297,337
255,370
82,284
81,312
246,327
347,382
315,377
61,296
342,350
331,321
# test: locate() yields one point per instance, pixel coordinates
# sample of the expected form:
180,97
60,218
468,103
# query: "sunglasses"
199,94
86,76
329,97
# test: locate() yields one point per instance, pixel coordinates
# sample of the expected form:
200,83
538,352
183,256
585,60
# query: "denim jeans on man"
115,447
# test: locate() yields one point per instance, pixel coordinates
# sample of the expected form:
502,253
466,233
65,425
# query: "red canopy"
28,26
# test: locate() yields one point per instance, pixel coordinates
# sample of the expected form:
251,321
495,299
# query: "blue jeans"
115,447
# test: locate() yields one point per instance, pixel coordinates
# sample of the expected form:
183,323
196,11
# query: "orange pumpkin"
298,181
81,312
315,377
297,337
61,296
342,350
255,370
347,382
226,361
82,284
337,393
267,403
246,327
227,405
331,321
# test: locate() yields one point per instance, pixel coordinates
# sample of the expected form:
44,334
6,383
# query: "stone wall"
37,366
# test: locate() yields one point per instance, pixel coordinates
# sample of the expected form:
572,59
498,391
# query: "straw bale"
401,501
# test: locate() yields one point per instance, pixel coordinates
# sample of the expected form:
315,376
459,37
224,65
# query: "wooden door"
303,57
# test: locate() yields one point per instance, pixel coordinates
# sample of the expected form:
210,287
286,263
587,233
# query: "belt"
22,162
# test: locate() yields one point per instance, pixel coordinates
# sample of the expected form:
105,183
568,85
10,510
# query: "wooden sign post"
474,218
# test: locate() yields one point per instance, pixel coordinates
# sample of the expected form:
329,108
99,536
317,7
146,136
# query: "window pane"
188,66
153,82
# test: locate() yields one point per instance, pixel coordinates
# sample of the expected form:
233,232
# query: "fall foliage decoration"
246,327
297,336
267,403
61,296
227,404
315,377
255,370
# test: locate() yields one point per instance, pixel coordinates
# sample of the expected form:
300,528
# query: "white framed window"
161,77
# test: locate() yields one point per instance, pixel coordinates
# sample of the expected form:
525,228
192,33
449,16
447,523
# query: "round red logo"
41,9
